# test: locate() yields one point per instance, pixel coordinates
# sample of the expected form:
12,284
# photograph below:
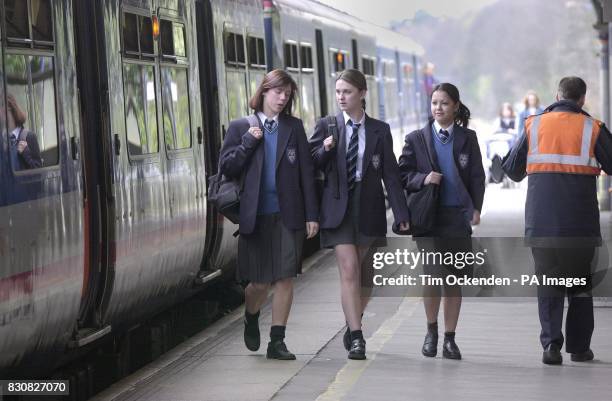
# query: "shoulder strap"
253,120
332,127
421,135
23,134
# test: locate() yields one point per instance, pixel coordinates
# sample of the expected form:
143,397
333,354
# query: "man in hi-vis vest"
563,150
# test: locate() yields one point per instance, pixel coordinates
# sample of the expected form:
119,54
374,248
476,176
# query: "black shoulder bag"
422,204
224,193
331,170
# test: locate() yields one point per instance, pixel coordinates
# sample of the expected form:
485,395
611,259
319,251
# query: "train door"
321,72
41,209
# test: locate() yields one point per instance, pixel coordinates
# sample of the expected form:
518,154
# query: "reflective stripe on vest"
561,142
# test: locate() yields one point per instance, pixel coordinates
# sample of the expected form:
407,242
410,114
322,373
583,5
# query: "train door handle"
200,136
74,147
117,145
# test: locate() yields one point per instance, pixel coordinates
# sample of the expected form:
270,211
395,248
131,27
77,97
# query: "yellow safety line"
347,376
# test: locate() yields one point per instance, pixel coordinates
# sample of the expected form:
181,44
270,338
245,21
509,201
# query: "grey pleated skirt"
271,252
348,231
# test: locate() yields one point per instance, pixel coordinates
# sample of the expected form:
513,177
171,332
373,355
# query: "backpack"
224,192
331,171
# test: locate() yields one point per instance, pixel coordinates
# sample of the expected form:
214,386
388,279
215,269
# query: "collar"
437,128
263,117
566,105
347,117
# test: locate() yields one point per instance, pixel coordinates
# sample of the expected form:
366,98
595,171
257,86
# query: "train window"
177,126
306,57
29,23
338,60
368,66
257,55
172,39
31,105
236,94
291,55
140,109
137,36
234,49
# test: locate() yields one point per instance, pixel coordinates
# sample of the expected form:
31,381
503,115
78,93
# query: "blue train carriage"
235,56
314,42
41,202
400,88
155,206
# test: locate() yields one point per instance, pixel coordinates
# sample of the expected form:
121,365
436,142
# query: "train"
129,101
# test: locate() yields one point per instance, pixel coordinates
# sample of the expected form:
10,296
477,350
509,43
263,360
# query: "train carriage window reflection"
172,39
291,56
234,49
369,68
137,33
175,101
140,109
30,111
28,23
236,94
306,57
256,52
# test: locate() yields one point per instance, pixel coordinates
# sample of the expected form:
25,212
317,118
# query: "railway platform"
498,338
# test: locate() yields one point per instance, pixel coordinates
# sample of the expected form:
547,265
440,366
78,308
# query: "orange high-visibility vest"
562,142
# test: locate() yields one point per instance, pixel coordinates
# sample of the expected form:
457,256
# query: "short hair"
572,88
274,79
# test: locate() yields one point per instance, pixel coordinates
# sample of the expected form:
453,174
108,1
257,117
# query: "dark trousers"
565,263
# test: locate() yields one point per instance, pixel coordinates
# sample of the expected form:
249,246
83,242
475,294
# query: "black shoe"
552,355
450,350
252,338
583,356
430,345
346,339
278,350
358,349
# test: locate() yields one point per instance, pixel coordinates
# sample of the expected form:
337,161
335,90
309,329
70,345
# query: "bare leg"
367,292
431,301
255,295
281,301
350,284
452,307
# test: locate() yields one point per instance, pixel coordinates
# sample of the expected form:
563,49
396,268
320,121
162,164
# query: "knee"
285,284
349,272
258,287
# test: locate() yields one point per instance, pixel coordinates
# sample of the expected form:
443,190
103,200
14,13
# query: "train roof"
384,36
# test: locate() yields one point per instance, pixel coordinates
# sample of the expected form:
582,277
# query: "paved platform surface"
498,338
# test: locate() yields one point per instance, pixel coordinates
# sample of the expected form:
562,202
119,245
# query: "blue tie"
351,156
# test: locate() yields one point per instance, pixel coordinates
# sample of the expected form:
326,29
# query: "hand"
433,178
475,218
404,226
312,228
21,145
256,132
328,143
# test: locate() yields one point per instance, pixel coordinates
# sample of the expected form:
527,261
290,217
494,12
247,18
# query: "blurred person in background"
532,107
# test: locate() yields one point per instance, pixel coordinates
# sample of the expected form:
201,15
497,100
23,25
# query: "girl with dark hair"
353,212
458,172
278,205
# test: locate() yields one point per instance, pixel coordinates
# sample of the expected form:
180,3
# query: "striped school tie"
444,135
269,126
351,156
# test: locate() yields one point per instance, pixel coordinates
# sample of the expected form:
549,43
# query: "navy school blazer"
241,153
414,163
379,164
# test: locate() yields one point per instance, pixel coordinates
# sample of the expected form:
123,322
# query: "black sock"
277,333
356,334
251,317
432,327
449,335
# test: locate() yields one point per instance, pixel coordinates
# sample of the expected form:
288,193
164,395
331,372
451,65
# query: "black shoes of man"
552,355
